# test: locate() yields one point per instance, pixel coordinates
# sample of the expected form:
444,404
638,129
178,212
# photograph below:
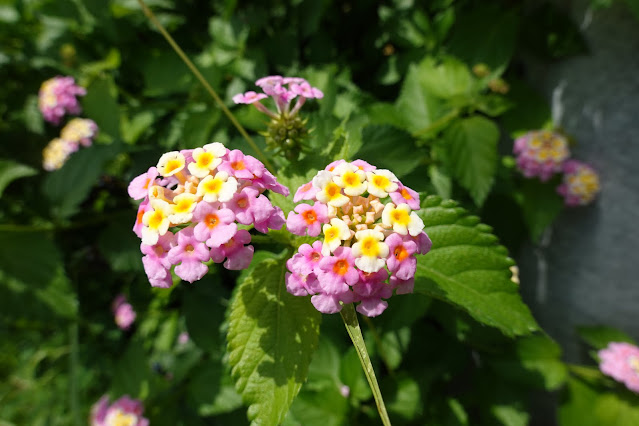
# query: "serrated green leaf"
600,336
389,148
417,107
445,79
10,171
272,336
466,267
471,149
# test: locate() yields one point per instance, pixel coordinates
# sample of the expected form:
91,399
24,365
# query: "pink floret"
620,361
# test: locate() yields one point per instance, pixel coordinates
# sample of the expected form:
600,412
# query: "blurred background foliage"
434,91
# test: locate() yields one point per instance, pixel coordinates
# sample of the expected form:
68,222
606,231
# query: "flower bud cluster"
369,238
543,153
620,360
124,411
77,132
193,202
580,183
58,96
286,130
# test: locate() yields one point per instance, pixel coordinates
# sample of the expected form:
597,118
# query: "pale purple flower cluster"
123,312
58,96
282,90
124,411
193,202
369,242
580,184
541,153
620,361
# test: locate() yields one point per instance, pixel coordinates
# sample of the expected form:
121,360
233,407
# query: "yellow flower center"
400,216
211,220
370,247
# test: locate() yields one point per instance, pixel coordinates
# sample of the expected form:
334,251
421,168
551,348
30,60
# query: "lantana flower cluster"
77,132
125,411
58,96
580,183
193,204
369,237
123,312
544,153
286,130
620,361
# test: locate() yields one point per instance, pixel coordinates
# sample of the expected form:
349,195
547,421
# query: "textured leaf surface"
472,154
468,268
272,336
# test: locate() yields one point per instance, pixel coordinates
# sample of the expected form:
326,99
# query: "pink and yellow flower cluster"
580,183
77,132
123,412
543,153
620,361
58,96
369,232
193,203
282,90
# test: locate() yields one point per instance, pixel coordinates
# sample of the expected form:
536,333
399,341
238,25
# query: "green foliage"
404,94
468,268
271,338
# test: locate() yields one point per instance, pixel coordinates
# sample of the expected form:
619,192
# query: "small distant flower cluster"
286,130
369,243
580,183
123,312
58,97
543,153
192,204
620,361
123,412
78,132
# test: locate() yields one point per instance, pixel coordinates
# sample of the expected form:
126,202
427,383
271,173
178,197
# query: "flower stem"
352,326
205,83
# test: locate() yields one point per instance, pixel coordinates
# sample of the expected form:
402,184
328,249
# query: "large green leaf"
10,171
446,79
416,105
389,148
68,187
471,149
487,35
271,338
468,268
101,105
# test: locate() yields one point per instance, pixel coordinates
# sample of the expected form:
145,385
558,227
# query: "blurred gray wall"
586,269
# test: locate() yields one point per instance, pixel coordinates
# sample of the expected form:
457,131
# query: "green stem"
205,83
352,326
73,367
